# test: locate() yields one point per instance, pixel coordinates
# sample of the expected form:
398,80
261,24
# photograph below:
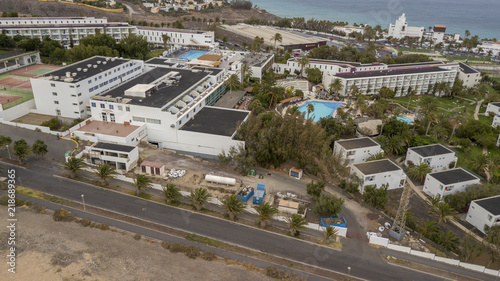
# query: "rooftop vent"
55,77
112,59
107,59
79,69
89,65
104,62
68,74
73,74
95,65
85,70
98,62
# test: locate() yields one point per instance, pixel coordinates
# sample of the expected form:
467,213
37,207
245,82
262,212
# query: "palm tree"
265,211
142,182
199,197
418,172
232,205
376,156
329,232
277,38
295,222
21,150
74,166
104,172
303,61
429,229
336,86
171,193
449,241
310,108
443,210
245,71
233,82
480,162
166,40
393,144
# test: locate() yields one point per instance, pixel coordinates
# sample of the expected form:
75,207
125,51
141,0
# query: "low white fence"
379,241
46,129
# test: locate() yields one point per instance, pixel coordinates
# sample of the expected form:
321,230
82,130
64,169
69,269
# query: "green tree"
329,232
418,172
449,241
328,205
142,182
39,148
134,47
265,211
470,247
377,156
303,61
377,197
430,229
314,75
310,109
295,223
386,93
171,193
166,40
277,38
315,188
492,244
105,172
199,197
21,150
233,205
443,210
336,86
233,82
74,166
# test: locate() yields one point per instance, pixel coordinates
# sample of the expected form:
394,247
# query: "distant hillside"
56,9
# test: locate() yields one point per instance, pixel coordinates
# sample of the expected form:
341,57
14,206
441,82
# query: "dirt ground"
55,251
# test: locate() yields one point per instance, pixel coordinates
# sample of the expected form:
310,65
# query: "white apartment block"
178,37
437,156
378,173
484,212
494,47
448,182
493,107
121,157
356,150
65,30
438,33
401,78
65,92
348,29
496,121
175,106
111,132
468,75
401,29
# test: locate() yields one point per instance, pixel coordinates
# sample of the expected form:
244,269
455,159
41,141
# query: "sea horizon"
480,17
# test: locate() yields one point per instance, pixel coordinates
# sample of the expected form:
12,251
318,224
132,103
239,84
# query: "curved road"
365,261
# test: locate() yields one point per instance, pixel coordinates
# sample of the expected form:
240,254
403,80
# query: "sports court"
5,99
17,83
33,70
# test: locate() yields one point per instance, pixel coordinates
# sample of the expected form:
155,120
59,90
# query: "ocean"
480,17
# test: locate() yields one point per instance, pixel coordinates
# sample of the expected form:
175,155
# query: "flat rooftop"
160,61
357,143
14,54
173,30
216,121
376,73
334,62
108,128
467,69
431,150
453,176
91,71
490,204
114,147
415,64
230,99
165,93
66,25
377,166
256,59
497,104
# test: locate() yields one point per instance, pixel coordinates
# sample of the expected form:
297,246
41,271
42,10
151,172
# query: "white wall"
393,178
360,154
437,162
177,37
433,187
478,217
470,79
202,144
17,111
495,109
132,139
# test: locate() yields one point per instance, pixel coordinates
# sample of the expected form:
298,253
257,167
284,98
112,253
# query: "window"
90,81
104,117
81,103
75,103
94,104
52,84
112,117
82,111
56,102
490,217
54,93
153,121
103,105
120,107
72,86
79,94
58,112
127,108
138,119
71,95
111,106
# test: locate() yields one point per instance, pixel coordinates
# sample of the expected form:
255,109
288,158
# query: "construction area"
267,32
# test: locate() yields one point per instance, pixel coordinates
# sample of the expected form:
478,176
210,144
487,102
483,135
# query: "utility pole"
398,227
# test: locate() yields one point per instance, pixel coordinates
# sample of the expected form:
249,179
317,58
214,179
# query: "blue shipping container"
245,193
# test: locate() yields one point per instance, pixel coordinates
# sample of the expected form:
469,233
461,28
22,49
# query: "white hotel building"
401,29
69,30
175,107
65,92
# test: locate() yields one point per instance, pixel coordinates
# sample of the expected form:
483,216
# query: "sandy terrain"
267,32
53,251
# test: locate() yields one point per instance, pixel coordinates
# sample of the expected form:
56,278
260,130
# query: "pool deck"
316,100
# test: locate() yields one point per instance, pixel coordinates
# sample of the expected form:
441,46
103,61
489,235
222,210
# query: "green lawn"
25,94
418,50
155,53
452,106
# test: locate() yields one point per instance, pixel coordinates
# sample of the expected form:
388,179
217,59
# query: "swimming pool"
191,55
321,109
405,119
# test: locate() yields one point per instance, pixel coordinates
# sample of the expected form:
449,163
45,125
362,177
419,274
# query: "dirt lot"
54,251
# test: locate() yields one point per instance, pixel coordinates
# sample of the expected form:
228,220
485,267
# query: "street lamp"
348,270
83,201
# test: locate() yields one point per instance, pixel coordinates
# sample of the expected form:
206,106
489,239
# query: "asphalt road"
365,261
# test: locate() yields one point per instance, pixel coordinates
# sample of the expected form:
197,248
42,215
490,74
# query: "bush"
63,215
138,237
53,124
328,205
208,255
377,197
177,248
85,222
315,189
166,245
4,200
275,273
192,251
103,226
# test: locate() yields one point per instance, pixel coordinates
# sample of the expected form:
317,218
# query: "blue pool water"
321,109
191,55
405,119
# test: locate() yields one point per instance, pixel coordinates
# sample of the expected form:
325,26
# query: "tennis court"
5,99
12,97
18,83
33,70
